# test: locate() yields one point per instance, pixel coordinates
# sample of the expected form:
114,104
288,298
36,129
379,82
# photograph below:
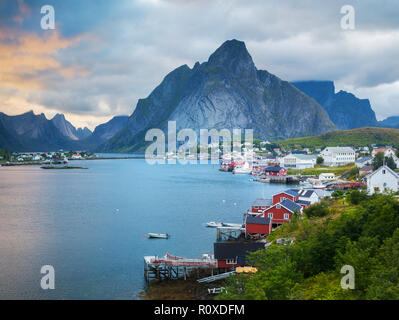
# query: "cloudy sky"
104,55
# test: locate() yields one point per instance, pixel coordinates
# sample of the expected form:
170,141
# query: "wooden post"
185,273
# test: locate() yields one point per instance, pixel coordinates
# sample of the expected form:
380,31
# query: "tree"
390,162
320,160
356,196
317,210
379,159
338,194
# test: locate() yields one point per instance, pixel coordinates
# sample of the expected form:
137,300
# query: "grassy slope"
356,137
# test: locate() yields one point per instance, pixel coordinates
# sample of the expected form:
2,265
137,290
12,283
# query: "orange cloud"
24,55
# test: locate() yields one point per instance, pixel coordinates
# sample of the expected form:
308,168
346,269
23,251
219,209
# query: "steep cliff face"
68,130
226,92
107,130
345,109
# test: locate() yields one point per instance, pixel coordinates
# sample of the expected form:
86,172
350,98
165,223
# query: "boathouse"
275,171
257,226
232,254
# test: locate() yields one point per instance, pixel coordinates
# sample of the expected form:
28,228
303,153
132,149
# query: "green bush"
317,210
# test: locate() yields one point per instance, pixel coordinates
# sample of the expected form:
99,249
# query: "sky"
104,55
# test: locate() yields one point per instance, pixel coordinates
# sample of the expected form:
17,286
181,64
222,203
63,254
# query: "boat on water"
245,168
234,225
158,235
213,224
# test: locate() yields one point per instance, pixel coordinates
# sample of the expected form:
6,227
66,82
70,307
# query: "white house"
324,177
298,161
364,161
308,195
338,156
381,180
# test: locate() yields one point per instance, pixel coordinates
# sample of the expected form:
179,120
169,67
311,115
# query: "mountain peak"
234,56
59,116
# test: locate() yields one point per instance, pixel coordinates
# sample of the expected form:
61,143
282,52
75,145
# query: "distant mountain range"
344,108
225,92
30,132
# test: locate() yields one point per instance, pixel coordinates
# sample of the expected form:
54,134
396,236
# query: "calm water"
89,224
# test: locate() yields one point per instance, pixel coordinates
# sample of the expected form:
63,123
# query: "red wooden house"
288,194
282,212
275,171
257,226
261,205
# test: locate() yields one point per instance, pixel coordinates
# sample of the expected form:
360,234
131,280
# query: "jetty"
173,267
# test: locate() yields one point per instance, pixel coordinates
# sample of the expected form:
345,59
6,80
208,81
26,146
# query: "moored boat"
213,224
158,235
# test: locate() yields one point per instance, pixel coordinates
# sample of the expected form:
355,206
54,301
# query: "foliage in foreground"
364,235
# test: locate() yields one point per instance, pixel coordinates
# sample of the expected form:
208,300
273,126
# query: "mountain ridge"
225,92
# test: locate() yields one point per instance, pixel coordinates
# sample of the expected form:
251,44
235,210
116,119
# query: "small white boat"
213,224
158,235
234,225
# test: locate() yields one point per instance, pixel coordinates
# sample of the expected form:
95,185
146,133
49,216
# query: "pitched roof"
366,168
306,193
290,205
339,149
273,169
262,202
364,159
291,192
367,176
257,220
304,202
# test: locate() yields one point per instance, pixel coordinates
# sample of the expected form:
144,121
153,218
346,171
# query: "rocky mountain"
345,109
83,133
104,132
107,130
30,132
226,92
68,130
390,122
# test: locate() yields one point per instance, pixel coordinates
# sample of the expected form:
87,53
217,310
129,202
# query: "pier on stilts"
174,267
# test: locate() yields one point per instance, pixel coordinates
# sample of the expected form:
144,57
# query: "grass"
356,137
320,169
293,228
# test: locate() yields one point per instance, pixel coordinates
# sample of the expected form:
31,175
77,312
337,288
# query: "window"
231,261
270,215
286,216
278,206
383,171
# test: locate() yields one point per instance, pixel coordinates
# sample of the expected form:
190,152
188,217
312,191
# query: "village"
60,157
372,170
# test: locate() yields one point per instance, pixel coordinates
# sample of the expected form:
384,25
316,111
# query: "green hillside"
356,137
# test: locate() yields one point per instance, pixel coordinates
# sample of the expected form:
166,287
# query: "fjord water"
90,224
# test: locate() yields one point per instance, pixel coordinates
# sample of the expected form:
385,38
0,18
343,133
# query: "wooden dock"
173,267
